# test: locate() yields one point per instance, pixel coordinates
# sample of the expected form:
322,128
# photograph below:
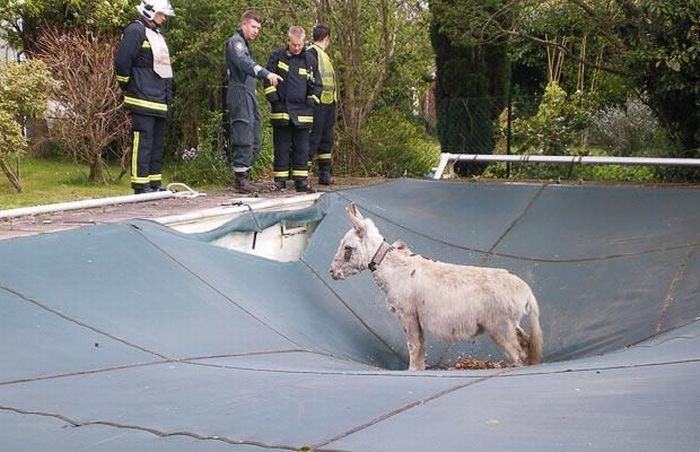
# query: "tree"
363,33
23,94
654,44
379,48
663,38
196,38
472,79
25,20
11,142
90,116
373,43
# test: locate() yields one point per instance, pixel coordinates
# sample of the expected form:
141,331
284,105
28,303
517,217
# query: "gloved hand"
312,101
171,111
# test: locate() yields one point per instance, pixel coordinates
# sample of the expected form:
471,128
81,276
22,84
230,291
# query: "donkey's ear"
353,211
357,220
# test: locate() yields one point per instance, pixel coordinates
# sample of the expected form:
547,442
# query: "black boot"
142,190
324,173
280,185
157,187
303,187
243,183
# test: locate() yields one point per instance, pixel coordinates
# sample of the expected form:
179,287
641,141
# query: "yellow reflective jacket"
327,72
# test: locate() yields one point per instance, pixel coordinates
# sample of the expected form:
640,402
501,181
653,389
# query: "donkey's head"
357,247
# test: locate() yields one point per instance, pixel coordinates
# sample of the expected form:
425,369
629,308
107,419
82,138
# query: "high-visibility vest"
325,68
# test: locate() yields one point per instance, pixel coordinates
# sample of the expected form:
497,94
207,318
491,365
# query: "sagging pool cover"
135,337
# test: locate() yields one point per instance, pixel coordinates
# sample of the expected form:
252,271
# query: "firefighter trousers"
148,134
321,140
291,151
244,128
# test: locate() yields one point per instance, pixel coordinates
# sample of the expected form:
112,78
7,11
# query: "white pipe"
101,202
444,160
85,204
581,160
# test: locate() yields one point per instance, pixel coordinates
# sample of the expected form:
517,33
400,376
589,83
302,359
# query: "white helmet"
149,8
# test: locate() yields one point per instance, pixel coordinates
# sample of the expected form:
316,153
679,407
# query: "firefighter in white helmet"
144,72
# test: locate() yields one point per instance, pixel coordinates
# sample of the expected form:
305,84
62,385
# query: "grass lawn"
48,181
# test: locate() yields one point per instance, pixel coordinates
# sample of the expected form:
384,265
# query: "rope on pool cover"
136,230
347,306
40,305
140,233
666,303
76,423
525,258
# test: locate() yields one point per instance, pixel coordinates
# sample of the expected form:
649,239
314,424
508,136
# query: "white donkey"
454,302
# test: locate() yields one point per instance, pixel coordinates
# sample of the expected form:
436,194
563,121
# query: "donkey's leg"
506,337
414,340
421,343
524,341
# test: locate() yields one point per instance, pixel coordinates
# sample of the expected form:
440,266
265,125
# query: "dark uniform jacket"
145,92
242,69
294,98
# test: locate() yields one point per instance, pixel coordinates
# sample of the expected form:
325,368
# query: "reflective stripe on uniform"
280,116
315,98
282,173
300,173
155,177
324,156
270,89
303,71
282,65
135,158
146,45
123,78
306,119
145,104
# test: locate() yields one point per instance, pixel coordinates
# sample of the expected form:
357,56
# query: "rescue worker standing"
143,70
241,100
292,102
321,142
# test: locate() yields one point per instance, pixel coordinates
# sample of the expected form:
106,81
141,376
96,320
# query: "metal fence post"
509,122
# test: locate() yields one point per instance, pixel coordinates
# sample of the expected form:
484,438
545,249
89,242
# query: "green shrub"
204,164
23,93
555,127
627,129
594,173
12,142
398,146
642,174
263,164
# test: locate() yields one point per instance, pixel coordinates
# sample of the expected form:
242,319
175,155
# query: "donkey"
453,302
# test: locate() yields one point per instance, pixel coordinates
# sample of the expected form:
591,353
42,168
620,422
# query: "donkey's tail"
534,350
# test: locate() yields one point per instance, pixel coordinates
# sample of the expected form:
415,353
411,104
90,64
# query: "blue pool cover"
133,336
